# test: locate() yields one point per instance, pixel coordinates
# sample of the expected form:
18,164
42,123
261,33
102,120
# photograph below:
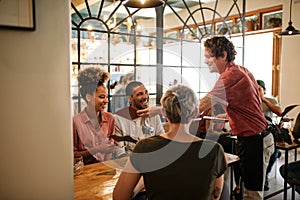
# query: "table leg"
285,174
293,186
231,182
293,192
242,189
231,170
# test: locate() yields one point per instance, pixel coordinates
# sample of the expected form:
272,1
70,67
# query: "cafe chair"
282,134
295,182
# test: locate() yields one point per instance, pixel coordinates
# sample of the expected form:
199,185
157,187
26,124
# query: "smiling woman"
93,126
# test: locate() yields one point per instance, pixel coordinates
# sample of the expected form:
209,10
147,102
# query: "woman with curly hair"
93,126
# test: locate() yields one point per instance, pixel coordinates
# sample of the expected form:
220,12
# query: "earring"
88,97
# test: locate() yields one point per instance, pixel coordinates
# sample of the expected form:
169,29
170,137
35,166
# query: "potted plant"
252,23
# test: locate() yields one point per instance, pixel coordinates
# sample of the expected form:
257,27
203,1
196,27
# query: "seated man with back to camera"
128,123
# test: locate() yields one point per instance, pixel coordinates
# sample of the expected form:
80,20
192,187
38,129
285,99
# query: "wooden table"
231,159
98,180
286,147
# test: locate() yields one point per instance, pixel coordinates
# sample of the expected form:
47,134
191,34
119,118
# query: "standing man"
128,123
237,86
237,89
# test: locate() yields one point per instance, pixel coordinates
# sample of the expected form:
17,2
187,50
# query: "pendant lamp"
290,30
142,3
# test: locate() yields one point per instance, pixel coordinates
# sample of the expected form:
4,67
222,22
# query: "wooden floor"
277,184
276,181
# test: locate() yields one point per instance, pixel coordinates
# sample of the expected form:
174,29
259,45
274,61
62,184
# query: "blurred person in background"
120,100
270,107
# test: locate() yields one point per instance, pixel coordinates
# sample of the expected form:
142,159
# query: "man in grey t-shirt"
128,123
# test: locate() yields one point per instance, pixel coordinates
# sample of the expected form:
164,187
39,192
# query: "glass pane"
171,76
223,28
272,20
118,83
121,51
74,82
94,8
207,79
74,43
172,54
76,102
94,25
74,17
146,55
189,34
191,77
95,49
120,77
103,67
191,54
172,35
237,27
152,99
147,75
204,30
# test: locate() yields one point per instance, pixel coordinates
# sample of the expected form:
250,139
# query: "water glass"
78,165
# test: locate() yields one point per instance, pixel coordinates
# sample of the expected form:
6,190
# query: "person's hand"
149,112
261,92
223,115
144,112
105,148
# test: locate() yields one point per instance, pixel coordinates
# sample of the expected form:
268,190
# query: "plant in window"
252,23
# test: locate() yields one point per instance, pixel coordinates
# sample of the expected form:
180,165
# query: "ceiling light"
142,3
290,30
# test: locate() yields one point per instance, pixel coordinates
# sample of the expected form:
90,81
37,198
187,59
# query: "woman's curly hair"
218,45
180,104
89,79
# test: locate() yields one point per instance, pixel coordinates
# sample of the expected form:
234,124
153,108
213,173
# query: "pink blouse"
85,135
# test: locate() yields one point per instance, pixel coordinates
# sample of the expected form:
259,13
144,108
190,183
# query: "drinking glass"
78,165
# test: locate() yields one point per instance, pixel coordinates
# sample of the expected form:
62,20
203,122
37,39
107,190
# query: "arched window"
143,42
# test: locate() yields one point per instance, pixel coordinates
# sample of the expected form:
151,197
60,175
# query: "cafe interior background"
38,71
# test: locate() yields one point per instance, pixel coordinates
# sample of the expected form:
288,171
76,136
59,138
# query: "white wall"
36,140
290,67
